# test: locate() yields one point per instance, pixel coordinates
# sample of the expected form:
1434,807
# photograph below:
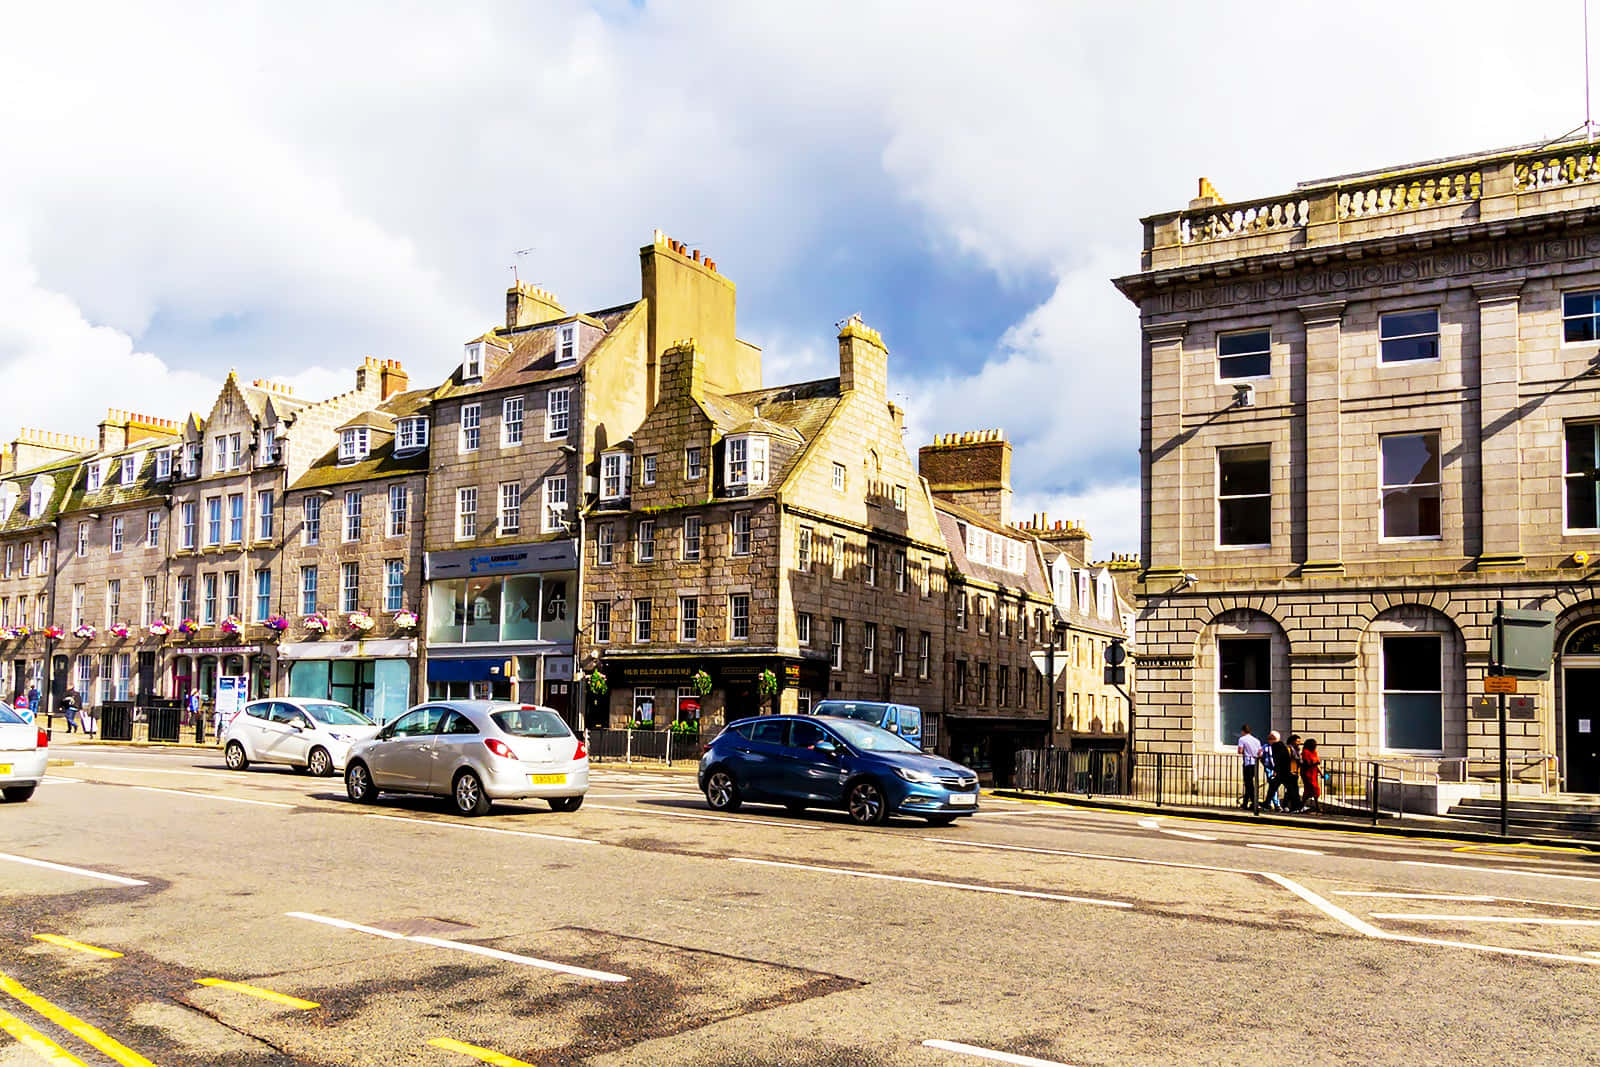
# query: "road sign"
1116,675
1500,683
1116,653
1523,643
1041,660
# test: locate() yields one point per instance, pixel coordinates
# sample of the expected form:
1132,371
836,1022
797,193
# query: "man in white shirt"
1250,753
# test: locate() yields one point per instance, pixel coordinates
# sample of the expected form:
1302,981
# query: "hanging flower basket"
159,628
700,682
277,624
230,625
597,683
54,633
768,683
405,620
84,632
685,728
317,623
360,621
188,627
13,633
119,630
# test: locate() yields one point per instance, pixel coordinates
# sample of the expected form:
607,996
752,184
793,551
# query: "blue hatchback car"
821,762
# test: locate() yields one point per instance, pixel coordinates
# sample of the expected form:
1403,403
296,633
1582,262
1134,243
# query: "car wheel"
358,784
319,764
866,805
794,808
469,795
234,756
722,792
941,820
16,794
565,803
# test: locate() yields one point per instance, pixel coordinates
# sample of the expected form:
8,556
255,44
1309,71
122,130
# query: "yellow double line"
73,1025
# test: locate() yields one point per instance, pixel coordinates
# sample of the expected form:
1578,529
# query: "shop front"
372,676
500,624
989,745
655,691
195,668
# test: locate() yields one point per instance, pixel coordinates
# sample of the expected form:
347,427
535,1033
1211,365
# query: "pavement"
194,915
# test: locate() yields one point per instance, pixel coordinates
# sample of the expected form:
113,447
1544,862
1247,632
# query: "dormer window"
353,444
1083,592
38,493
8,501
614,475
567,344
191,460
746,461
267,446
472,365
163,464
411,435
130,469
93,474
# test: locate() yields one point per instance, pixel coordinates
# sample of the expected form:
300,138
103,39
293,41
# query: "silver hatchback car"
475,752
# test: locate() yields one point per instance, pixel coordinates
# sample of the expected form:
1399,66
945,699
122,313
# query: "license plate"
963,800
5,768
547,779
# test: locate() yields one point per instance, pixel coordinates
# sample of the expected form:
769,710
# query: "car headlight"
924,777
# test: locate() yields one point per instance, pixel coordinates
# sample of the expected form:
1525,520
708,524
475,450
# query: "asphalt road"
644,929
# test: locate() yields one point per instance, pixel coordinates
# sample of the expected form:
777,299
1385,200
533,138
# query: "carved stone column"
1324,392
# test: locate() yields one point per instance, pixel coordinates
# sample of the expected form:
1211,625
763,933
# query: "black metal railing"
641,746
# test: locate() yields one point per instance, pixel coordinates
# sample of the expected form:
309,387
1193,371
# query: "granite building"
1370,417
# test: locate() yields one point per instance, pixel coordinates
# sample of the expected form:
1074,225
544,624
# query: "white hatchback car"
23,754
309,735
475,752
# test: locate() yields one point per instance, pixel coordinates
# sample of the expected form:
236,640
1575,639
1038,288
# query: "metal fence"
640,746
1168,779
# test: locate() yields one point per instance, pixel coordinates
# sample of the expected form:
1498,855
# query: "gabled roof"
381,461
953,516
532,352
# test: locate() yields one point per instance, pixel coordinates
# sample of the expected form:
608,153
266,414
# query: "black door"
58,682
1583,730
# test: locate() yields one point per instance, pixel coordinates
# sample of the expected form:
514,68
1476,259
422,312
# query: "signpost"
1520,646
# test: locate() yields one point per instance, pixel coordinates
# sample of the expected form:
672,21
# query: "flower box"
84,632
277,624
316,623
230,625
405,620
188,627
360,621
119,630
159,628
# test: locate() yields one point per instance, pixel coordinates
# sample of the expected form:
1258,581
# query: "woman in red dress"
1311,773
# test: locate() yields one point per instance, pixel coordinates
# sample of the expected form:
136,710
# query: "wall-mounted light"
1244,396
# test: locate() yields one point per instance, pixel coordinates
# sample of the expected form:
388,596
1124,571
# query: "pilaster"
1324,392
1500,451
1163,488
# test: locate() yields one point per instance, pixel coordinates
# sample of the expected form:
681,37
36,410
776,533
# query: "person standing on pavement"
70,704
1249,754
191,708
1311,774
1271,750
1291,775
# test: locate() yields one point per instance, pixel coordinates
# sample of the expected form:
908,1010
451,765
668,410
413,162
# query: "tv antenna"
519,253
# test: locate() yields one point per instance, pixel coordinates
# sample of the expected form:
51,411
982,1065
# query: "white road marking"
1285,848
205,796
1333,911
1189,834
157,770
637,796
1091,856
117,878
992,1054
1499,870
1524,920
52,779
461,946
485,829
937,882
1416,896
787,825
1150,824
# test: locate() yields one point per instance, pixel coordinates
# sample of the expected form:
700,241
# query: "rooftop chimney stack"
863,359
528,305
972,469
392,379
114,431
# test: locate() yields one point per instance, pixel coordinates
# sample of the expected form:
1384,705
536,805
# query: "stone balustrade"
1555,171
1233,220
1431,191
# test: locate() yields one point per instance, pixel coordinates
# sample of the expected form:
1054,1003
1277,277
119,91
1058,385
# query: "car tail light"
580,752
499,748
44,739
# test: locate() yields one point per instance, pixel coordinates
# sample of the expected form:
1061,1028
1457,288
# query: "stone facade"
1432,315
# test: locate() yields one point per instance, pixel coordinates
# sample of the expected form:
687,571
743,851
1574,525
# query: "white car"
475,752
309,735
23,754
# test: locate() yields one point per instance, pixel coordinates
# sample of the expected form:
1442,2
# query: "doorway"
1582,721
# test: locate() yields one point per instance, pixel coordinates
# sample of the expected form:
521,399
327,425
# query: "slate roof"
380,462
60,472
533,353
951,516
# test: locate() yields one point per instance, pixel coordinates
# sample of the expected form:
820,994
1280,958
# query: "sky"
284,188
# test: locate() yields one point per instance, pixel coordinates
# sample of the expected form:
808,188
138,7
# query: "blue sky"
285,188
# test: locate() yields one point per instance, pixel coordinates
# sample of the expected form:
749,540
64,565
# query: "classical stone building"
776,539
352,557
1369,417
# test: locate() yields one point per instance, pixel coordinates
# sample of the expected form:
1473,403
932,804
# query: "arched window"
1584,642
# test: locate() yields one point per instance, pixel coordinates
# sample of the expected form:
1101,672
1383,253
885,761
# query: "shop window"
1244,687
1413,693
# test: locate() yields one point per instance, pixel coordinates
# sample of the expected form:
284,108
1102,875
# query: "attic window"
567,344
614,475
163,464
353,444
36,496
472,365
411,434
130,469
746,460
93,482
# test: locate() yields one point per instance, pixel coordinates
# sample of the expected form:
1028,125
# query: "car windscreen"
531,723
872,739
8,716
911,720
872,713
335,714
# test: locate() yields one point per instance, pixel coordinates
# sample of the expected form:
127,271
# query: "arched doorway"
1580,690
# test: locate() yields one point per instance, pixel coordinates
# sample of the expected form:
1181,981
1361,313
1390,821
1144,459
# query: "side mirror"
827,748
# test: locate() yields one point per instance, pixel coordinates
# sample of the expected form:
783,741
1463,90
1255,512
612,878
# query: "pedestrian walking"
1272,768
70,704
1249,754
1292,799
1311,774
191,708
